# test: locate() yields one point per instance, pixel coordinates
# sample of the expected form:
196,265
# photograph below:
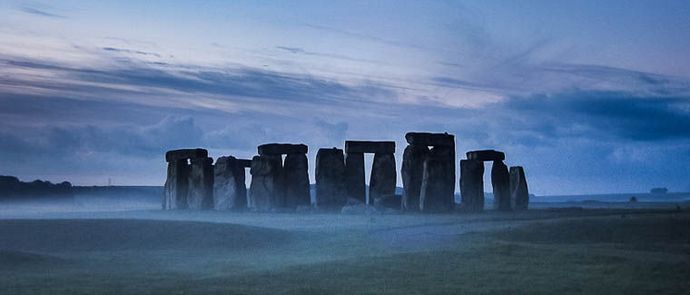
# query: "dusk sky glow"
588,96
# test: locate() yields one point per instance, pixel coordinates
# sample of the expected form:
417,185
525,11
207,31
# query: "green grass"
640,254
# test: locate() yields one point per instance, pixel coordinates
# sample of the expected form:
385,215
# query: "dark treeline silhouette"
12,187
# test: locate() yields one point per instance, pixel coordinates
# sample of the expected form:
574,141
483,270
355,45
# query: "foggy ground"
568,250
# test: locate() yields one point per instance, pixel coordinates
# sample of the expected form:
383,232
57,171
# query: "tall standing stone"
437,191
330,179
519,194
176,185
354,176
412,171
229,191
383,177
472,185
500,181
200,194
263,185
296,180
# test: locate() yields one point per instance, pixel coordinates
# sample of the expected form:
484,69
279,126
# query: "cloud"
39,11
130,51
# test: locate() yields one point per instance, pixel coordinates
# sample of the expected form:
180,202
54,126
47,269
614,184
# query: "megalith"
176,185
354,177
330,179
263,184
412,171
296,180
383,177
500,181
200,194
472,185
438,181
229,190
519,194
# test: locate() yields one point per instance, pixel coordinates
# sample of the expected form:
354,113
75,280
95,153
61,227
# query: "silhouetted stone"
486,155
438,180
388,202
519,194
182,154
430,139
472,185
500,181
354,176
263,185
244,163
200,195
382,147
383,176
330,179
295,171
229,191
176,185
412,172
282,148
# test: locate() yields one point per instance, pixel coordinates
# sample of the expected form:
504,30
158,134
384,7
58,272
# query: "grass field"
539,252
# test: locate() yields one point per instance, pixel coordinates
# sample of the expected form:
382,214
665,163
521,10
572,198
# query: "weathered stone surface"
229,191
438,181
500,181
383,176
296,180
175,155
430,139
472,185
176,185
388,202
200,194
519,194
486,155
263,185
381,147
412,172
354,177
330,179
282,148
244,163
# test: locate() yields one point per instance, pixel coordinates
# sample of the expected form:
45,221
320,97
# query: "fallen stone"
175,155
486,155
200,194
383,176
500,181
296,180
519,193
282,149
330,179
382,147
354,176
412,172
472,185
430,139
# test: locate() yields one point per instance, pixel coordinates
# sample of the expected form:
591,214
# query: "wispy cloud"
39,10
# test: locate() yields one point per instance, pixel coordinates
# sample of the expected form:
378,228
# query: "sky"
588,96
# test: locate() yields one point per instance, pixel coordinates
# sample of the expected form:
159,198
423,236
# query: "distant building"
659,190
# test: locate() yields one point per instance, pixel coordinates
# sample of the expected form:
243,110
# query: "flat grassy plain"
537,252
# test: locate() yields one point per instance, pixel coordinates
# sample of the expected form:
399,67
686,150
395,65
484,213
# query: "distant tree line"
12,187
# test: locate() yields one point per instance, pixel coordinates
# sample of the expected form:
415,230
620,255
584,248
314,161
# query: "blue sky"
589,96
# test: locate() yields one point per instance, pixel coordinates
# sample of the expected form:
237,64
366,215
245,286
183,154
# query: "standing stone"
383,177
500,181
472,185
229,191
519,194
412,172
278,196
330,179
200,194
176,185
263,185
437,191
296,180
354,176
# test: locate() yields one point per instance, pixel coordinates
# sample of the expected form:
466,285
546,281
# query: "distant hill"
12,187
